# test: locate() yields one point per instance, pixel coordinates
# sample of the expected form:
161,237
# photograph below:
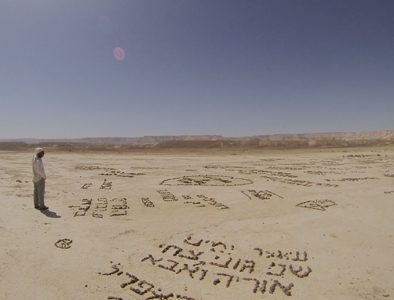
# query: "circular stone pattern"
207,180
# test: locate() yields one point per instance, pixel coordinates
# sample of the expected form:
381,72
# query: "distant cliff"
324,139
347,136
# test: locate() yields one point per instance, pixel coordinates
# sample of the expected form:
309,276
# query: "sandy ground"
198,225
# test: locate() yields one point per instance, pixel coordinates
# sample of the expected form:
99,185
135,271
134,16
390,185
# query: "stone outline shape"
63,243
205,180
317,204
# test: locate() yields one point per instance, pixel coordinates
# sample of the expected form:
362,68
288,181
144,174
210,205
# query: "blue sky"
195,67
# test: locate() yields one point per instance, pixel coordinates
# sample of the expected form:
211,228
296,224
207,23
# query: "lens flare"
119,53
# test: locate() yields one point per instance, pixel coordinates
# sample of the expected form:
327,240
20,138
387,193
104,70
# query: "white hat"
38,150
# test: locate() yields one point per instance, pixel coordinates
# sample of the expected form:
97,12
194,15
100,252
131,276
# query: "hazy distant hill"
146,140
218,140
369,135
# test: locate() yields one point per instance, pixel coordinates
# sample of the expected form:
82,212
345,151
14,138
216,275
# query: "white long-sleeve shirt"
38,169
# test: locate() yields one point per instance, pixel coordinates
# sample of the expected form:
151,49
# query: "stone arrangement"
213,262
357,179
120,173
317,204
101,207
147,202
107,185
207,180
206,262
262,195
86,186
63,243
167,196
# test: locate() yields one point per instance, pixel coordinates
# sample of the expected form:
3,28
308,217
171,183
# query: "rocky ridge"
151,140
276,141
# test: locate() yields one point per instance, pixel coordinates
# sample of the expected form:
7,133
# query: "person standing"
39,178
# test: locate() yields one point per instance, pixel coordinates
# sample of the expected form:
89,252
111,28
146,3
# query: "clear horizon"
75,69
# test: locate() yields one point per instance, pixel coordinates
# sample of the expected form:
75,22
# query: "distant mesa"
275,141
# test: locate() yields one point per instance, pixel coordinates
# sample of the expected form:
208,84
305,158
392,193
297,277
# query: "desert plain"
202,225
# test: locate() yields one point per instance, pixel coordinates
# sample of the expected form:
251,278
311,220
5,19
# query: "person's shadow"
50,214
